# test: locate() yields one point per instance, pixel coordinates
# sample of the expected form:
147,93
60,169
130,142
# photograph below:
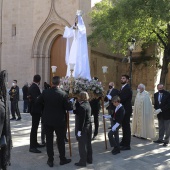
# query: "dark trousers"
126,130
15,109
25,110
114,141
96,123
43,136
34,129
110,112
164,129
84,145
60,133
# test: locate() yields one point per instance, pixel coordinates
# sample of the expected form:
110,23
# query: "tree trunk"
166,58
164,70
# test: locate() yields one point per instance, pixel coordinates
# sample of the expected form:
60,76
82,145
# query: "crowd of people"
51,107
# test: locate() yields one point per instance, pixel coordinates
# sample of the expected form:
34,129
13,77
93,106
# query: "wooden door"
58,56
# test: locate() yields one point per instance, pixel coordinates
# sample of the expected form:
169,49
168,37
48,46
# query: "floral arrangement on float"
80,84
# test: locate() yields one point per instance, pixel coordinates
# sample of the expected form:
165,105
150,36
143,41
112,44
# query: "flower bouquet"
93,87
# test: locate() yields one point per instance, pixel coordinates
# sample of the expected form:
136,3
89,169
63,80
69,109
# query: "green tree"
148,21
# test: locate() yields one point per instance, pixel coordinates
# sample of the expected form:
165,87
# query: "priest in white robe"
143,117
76,49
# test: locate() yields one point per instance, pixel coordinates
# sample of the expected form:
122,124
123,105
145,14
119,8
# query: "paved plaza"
144,154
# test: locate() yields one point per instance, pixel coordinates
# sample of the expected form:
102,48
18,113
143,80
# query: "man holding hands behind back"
55,105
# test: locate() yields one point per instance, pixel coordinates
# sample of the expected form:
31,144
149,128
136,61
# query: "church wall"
16,48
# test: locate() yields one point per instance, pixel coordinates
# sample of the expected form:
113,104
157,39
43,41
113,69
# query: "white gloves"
72,100
158,111
107,116
70,111
115,126
109,97
79,133
106,104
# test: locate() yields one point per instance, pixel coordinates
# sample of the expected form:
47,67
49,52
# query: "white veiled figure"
77,51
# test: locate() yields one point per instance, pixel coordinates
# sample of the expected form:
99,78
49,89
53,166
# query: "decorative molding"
52,27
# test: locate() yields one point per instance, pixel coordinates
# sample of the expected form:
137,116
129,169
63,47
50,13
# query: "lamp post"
104,69
53,70
131,47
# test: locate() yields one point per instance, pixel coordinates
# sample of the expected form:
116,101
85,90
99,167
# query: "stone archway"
52,28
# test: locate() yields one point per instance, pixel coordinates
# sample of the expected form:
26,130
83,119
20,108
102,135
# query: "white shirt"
123,86
160,97
117,107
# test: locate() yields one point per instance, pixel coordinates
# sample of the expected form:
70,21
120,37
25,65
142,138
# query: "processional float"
78,76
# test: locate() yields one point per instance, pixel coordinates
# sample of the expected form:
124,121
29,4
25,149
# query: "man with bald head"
110,94
143,118
162,109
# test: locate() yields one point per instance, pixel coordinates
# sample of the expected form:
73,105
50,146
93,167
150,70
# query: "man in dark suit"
162,109
14,98
25,98
55,103
35,111
95,110
110,94
125,99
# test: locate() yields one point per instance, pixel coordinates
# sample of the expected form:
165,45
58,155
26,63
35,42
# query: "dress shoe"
66,140
65,161
89,162
34,150
94,137
50,163
123,148
165,144
13,118
80,164
158,141
113,150
40,145
116,151
44,143
19,118
121,143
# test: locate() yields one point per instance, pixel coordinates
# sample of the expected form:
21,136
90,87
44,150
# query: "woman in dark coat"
84,130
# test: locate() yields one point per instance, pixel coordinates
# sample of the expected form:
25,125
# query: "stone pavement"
144,154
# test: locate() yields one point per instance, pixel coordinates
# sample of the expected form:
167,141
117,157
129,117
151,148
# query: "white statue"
76,48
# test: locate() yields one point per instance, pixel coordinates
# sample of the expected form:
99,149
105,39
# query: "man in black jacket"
55,105
35,111
95,110
14,98
110,94
125,99
162,109
25,97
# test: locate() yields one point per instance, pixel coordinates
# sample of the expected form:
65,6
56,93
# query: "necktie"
160,98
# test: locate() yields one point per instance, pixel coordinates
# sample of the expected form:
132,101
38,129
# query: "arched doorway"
58,56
